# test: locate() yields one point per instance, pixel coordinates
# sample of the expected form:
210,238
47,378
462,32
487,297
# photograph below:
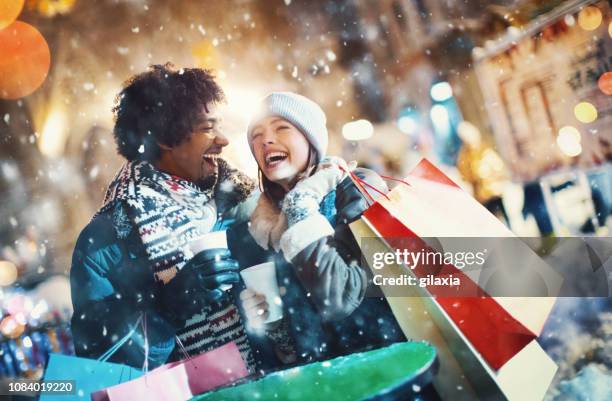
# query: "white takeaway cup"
262,279
211,240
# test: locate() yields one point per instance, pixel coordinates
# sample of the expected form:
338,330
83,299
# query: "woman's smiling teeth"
274,158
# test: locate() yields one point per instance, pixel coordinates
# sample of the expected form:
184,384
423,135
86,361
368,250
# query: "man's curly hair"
161,106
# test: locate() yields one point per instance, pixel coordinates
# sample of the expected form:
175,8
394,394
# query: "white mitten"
301,206
304,199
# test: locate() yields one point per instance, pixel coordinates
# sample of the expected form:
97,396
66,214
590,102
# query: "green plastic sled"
393,372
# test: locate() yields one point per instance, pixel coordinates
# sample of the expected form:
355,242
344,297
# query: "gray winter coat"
325,282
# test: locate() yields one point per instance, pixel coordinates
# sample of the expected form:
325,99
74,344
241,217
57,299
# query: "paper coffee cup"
262,279
212,240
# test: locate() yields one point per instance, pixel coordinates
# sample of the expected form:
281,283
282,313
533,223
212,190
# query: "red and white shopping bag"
180,381
487,344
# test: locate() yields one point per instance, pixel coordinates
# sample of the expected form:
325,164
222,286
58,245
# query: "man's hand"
212,270
199,282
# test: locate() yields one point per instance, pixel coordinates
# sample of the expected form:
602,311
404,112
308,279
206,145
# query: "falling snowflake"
227,186
94,172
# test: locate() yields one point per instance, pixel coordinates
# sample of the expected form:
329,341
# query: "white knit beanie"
300,111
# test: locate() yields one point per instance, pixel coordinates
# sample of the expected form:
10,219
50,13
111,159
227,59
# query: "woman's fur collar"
268,223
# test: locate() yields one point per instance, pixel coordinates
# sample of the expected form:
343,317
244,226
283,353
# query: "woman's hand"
329,173
304,199
255,308
336,162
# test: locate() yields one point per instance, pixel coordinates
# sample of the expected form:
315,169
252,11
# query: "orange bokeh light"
24,60
590,18
605,83
9,11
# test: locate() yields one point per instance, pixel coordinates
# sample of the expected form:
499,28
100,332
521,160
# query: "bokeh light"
25,60
205,55
469,133
569,140
51,8
8,273
54,134
40,309
441,91
440,119
19,304
605,83
407,125
590,18
10,327
357,130
9,11
585,112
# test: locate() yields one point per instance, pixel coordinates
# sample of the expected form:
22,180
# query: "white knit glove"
304,199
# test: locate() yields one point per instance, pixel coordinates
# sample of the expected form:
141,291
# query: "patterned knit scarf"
168,213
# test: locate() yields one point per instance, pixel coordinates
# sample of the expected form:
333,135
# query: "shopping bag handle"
145,364
142,320
111,351
188,357
182,348
362,185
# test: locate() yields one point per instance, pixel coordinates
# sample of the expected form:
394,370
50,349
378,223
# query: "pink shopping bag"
180,381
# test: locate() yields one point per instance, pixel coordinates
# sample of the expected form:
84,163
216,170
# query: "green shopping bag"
89,375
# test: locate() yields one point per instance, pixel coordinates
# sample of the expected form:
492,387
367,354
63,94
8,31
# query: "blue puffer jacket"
112,285
109,276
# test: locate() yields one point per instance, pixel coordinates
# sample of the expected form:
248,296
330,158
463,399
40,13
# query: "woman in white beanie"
302,216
